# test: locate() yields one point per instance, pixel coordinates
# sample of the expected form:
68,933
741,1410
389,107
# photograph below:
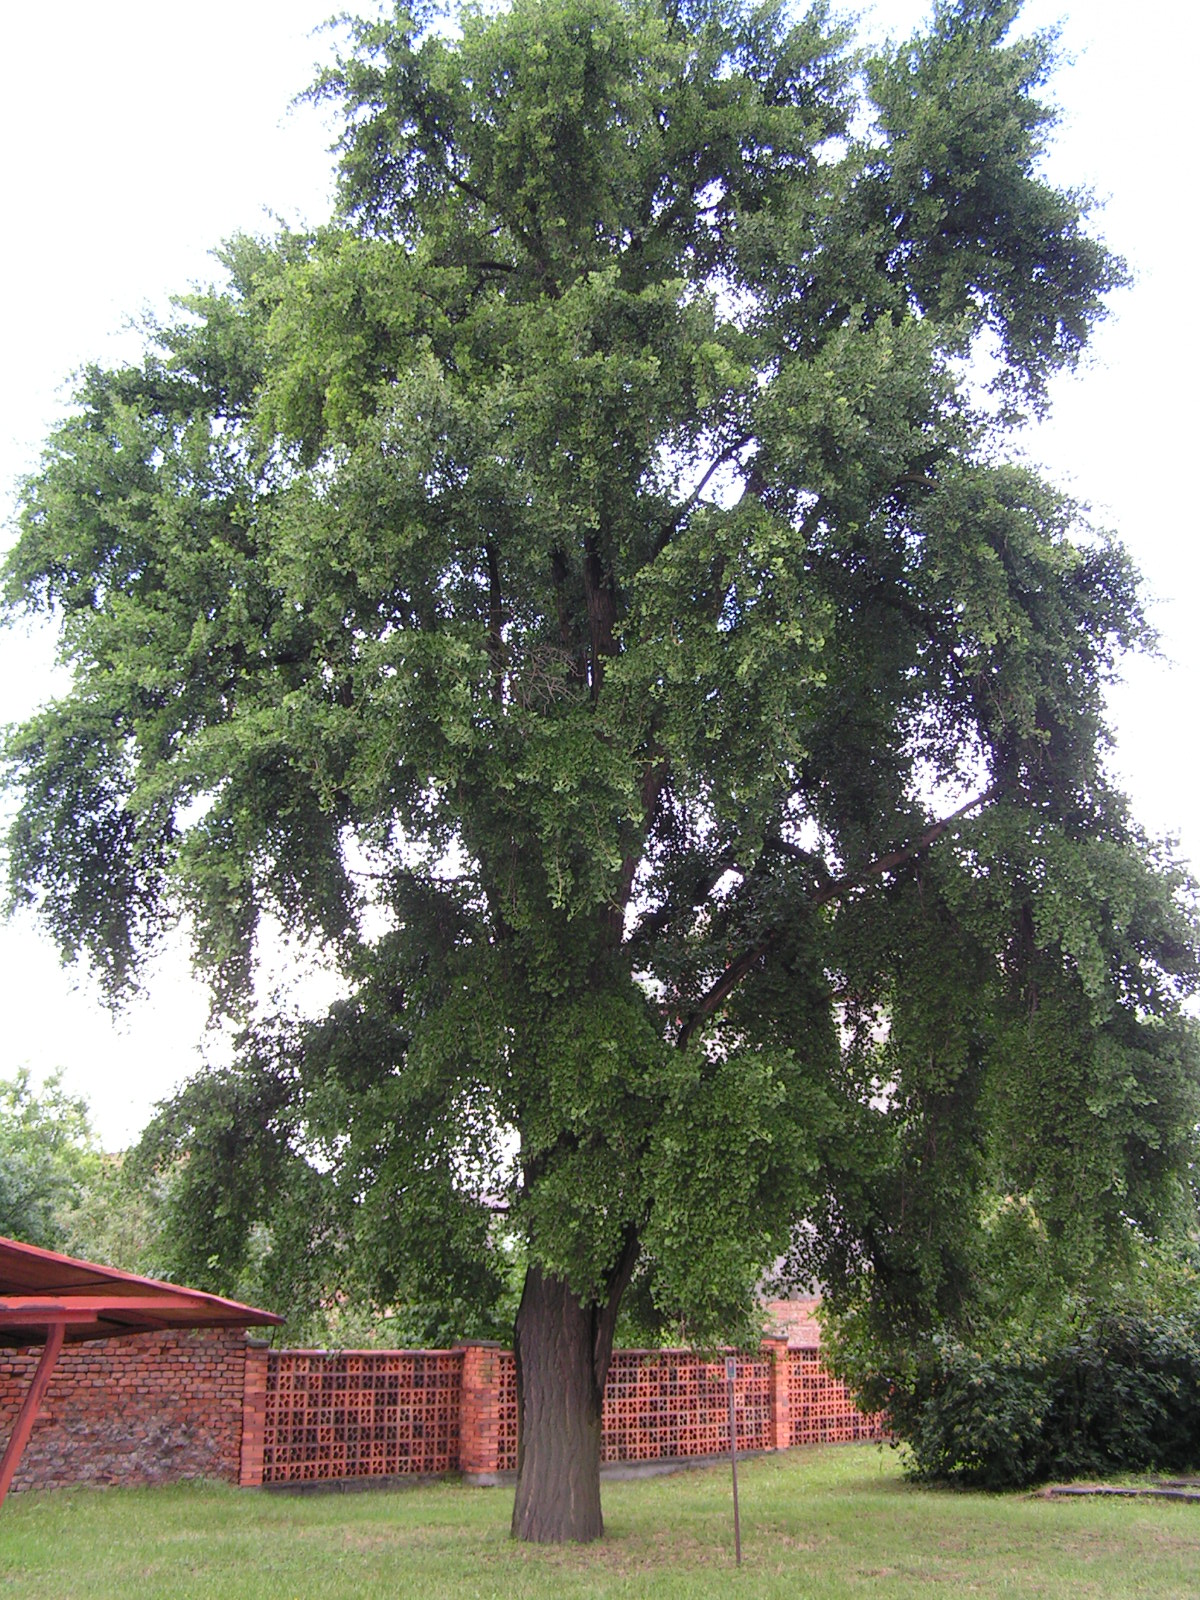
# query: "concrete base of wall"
359,1485
610,1472
619,1471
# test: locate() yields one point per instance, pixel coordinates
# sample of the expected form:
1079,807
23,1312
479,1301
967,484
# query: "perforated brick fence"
360,1414
313,1415
667,1404
819,1411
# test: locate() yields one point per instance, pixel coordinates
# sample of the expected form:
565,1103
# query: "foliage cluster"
61,1191
1121,1394
50,1161
1054,1365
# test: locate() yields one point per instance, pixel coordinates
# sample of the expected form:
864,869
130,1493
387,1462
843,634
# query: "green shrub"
1126,1398
1120,1395
974,1419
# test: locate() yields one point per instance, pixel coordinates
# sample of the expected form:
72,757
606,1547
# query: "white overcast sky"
139,133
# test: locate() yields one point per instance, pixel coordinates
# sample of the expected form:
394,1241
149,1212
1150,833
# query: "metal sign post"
730,1375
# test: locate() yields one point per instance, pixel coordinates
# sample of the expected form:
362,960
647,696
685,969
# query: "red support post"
19,1437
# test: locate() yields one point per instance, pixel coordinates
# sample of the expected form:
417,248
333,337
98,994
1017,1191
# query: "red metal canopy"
50,1300
39,1290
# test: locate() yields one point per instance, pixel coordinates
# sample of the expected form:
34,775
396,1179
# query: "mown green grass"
826,1524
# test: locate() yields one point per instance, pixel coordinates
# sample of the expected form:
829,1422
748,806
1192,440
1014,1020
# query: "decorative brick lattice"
669,1404
360,1413
822,1411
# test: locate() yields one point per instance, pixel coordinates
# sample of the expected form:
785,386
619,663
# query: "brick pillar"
776,1350
254,1414
479,1412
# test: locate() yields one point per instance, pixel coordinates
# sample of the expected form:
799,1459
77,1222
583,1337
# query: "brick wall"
160,1407
149,1409
488,1432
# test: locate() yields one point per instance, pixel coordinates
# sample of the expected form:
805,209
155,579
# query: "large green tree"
60,1191
50,1161
584,588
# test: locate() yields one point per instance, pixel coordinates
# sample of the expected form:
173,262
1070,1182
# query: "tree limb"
716,995
898,858
604,1316
601,608
655,922
495,642
669,529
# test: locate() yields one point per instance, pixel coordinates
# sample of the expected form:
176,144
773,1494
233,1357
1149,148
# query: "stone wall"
154,1408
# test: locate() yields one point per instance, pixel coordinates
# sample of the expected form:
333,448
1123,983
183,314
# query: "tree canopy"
590,588
49,1161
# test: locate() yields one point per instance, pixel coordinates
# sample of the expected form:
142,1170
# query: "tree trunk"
563,1350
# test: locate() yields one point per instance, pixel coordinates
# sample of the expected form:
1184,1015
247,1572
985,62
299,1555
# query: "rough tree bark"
563,1348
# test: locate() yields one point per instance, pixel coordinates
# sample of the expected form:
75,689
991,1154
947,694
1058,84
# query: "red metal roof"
40,1290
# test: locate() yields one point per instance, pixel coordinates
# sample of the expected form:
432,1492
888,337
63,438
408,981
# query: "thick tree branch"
654,781
921,480
605,1316
558,573
899,858
716,995
526,238
601,609
921,619
657,921
670,528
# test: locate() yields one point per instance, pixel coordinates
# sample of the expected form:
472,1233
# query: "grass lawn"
819,1524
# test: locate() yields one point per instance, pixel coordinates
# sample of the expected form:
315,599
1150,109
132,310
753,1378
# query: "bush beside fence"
1120,1395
